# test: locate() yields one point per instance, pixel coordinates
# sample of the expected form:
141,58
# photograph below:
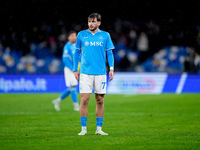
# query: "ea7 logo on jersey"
93,43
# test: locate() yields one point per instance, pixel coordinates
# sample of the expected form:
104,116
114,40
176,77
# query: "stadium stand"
140,46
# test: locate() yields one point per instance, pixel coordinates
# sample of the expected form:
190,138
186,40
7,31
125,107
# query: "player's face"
93,24
72,38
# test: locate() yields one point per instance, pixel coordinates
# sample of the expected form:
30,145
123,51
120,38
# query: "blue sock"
65,93
73,94
83,121
99,121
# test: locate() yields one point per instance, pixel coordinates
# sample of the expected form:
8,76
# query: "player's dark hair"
95,15
70,32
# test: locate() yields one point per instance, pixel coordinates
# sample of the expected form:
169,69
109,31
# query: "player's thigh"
100,84
86,83
70,79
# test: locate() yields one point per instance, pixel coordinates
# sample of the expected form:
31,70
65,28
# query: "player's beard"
93,29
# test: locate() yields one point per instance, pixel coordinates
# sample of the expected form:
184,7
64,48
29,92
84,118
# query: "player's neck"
72,42
95,31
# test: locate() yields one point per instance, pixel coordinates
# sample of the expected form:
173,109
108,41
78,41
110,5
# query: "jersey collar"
95,33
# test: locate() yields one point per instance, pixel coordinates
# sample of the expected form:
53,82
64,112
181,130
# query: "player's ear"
99,22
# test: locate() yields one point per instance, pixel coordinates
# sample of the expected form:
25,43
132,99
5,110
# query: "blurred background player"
70,80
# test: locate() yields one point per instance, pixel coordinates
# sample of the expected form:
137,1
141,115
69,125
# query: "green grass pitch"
163,122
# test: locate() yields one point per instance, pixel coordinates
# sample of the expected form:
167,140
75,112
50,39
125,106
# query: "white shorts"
87,82
70,79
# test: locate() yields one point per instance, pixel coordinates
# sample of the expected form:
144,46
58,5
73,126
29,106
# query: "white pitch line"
29,113
113,113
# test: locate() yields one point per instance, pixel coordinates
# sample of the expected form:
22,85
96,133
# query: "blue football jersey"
93,49
67,56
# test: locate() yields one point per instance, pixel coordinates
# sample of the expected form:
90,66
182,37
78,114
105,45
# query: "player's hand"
76,74
111,75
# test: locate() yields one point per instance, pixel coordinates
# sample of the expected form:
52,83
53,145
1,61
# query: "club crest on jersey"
101,38
94,43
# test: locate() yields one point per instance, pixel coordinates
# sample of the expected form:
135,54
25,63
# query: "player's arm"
110,58
76,58
76,63
67,61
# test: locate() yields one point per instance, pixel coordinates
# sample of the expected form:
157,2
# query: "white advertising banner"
137,83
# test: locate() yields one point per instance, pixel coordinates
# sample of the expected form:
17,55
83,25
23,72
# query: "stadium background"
157,51
157,44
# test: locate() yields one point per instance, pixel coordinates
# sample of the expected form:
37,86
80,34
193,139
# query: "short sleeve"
78,42
109,43
65,51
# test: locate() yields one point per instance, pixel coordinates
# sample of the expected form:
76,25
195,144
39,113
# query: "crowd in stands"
140,46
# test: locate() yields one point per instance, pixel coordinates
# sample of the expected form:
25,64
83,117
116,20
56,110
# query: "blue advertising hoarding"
31,83
123,83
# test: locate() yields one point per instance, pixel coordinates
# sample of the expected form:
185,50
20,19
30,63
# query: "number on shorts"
104,83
